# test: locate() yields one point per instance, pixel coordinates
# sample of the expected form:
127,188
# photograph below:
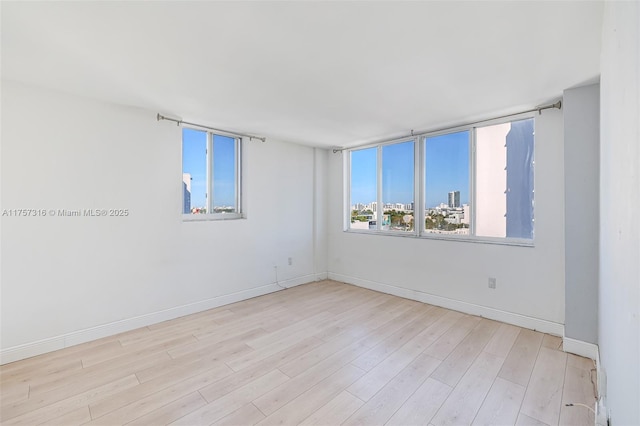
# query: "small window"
210,175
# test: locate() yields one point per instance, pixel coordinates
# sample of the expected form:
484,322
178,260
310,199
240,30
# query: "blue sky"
194,145
447,169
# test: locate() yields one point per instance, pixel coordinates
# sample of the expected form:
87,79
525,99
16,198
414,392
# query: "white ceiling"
317,73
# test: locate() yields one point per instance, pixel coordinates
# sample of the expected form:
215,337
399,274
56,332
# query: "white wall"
530,280
581,189
70,279
619,287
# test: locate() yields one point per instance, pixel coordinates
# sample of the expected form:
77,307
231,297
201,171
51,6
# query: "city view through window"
503,180
446,185
447,208
209,175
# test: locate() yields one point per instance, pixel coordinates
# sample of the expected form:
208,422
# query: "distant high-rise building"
454,199
186,193
373,206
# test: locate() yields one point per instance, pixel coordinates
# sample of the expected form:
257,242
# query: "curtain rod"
179,122
557,105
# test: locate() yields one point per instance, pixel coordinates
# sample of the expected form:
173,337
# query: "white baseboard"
456,305
39,347
296,281
579,347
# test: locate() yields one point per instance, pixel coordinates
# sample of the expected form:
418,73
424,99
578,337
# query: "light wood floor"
323,353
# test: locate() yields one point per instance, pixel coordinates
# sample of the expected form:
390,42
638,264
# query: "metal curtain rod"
179,122
557,105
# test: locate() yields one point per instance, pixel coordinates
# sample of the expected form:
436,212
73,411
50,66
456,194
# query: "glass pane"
397,186
520,186
224,174
491,180
504,180
364,188
194,171
447,208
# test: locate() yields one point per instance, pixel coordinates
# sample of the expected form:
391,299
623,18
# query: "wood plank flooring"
325,353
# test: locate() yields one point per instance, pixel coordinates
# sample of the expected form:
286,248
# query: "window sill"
211,217
458,238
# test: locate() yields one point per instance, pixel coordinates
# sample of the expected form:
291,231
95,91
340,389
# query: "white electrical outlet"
492,282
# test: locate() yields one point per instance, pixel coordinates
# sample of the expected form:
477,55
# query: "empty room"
292,212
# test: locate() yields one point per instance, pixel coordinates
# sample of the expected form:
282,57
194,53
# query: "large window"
475,183
210,175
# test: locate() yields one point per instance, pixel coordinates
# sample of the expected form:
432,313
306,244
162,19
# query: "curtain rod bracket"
557,105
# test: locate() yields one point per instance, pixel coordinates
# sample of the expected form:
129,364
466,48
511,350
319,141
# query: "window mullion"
472,181
418,187
209,173
379,206
238,158
346,170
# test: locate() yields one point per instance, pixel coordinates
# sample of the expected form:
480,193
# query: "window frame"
419,186
423,175
379,190
210,215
